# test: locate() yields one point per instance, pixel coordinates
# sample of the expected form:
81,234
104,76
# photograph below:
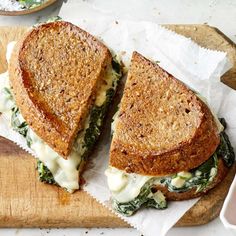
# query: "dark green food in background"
28,4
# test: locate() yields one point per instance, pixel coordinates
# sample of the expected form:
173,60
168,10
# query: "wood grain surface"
26,202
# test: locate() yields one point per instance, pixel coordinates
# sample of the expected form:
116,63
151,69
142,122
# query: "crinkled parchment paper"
198,67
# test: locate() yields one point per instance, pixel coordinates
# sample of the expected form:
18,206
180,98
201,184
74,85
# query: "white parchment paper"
198,67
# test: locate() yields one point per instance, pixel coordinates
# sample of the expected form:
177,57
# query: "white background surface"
221,14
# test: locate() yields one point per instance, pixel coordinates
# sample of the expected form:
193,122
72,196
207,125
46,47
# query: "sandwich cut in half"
166,145
56,92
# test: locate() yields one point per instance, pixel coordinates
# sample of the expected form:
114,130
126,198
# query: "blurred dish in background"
21,7
228,212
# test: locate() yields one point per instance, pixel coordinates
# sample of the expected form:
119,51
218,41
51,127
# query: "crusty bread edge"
206,139
30,112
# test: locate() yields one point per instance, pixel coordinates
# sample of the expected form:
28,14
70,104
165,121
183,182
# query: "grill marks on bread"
55,72
163,127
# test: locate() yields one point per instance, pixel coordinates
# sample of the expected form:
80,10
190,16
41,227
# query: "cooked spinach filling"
22,128
199,178
45,174
19,126
146,198
97,115
92,133
28,4
225,149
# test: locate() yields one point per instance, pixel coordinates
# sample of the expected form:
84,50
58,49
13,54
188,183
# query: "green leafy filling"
45,174
200,179
8,93
146,198
225,149
95,123
22,128
28,4
19,126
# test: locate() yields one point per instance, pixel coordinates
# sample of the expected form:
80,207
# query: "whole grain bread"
55,70
222,171
162,127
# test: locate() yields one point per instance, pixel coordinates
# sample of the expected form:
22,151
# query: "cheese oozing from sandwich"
127,188
131,191
65,171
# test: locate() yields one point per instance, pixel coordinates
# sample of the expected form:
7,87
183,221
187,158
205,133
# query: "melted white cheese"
185,175
213,173
178,182
125,187
65,172
159,197
114,122
6,103
198,172
10,47
117,179
106,84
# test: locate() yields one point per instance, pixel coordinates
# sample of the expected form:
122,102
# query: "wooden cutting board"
26,202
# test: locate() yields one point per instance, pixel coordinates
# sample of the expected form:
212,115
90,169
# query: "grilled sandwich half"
60,83
167,144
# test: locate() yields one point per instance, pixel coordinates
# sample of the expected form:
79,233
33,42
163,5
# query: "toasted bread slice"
191,193
55,71
162,127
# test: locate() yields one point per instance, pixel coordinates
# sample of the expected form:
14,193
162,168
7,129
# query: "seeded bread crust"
162,127
55,70
174,196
